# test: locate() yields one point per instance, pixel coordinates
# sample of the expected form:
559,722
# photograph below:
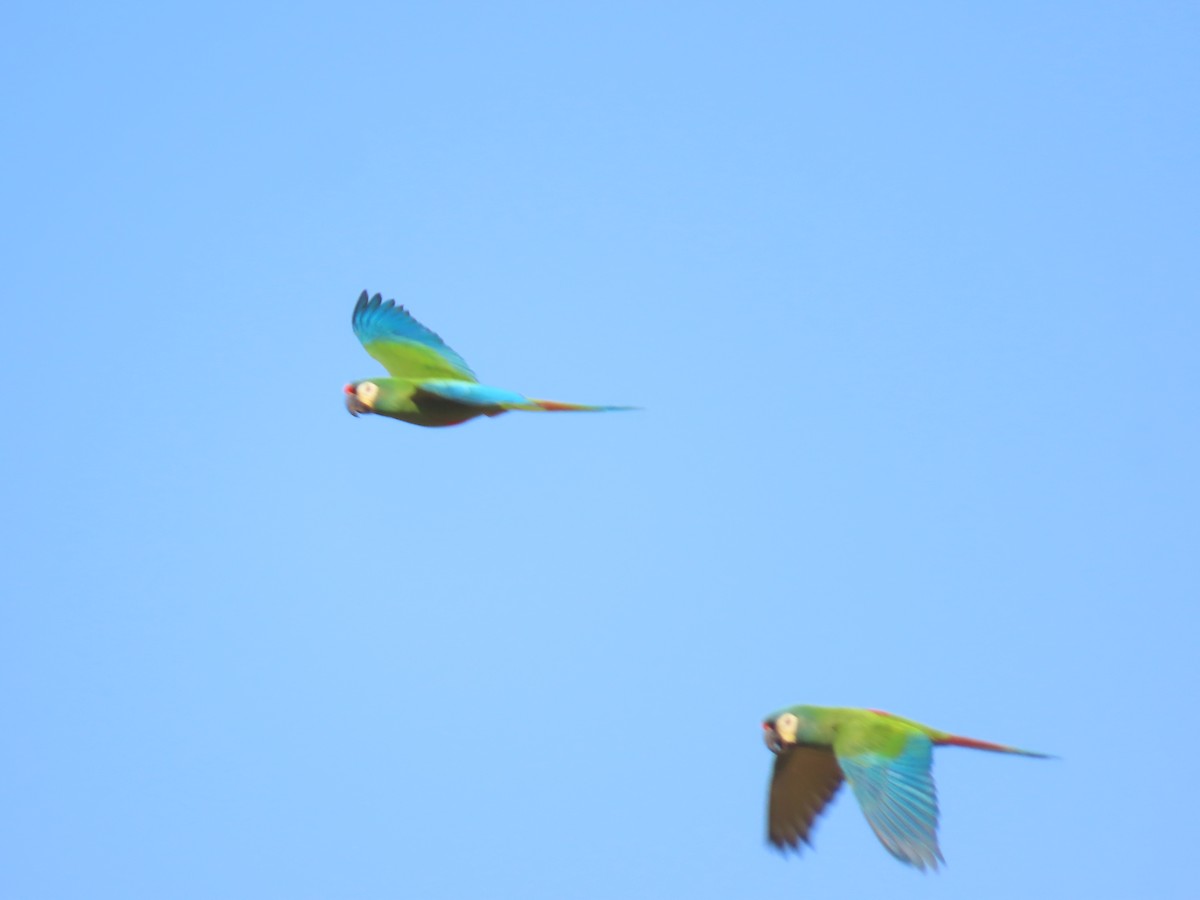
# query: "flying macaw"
887,761
430,384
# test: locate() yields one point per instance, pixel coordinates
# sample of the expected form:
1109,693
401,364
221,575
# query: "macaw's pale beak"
771,738
353,404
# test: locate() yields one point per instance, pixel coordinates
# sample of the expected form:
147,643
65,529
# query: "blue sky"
908,295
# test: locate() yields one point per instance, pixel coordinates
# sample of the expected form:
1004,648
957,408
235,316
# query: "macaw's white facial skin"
780,734
367,392
361,398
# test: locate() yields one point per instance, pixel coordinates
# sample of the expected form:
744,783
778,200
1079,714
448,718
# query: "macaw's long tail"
532,405
954,740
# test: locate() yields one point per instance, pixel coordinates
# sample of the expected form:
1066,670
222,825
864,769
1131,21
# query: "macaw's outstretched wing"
889,772
406,348
803,782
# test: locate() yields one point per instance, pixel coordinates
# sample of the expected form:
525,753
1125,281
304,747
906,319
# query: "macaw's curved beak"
775,743
353,404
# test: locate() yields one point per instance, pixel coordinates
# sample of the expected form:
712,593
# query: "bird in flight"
429,383
886,759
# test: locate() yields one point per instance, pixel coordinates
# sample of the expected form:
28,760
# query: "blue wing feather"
377,322
472,393
899,799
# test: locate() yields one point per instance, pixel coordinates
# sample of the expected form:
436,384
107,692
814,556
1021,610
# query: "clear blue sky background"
908,295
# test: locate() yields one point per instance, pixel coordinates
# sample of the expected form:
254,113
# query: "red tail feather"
954,740
555,406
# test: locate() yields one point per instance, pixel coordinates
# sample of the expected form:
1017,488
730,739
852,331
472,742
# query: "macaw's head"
779,732
361,397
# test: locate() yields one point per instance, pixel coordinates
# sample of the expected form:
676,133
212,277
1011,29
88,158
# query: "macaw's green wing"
889,771
804,781
406,348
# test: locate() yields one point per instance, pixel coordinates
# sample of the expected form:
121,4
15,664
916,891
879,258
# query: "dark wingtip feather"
359,307
792,843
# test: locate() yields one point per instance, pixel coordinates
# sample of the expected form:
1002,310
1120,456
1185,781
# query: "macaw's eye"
367,390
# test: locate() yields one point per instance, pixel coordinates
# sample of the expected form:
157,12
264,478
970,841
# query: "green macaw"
430,384
887,761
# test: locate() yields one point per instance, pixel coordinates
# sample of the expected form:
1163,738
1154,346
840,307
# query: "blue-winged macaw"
430,384
886,759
